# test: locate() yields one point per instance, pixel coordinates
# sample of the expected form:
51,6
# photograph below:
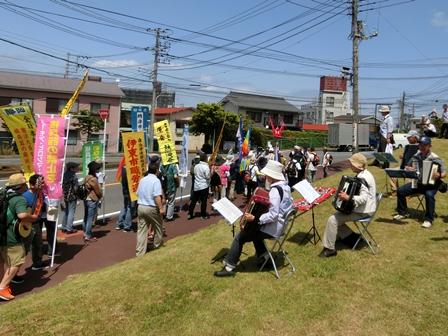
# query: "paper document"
307,191
228,210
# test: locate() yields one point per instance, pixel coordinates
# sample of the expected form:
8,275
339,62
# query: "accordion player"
351,185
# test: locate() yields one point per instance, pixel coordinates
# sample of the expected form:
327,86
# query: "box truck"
340,136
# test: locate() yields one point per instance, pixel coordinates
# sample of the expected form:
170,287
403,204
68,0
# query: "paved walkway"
112,246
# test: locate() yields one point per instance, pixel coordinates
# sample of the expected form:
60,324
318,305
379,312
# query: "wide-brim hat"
412,133
274,169
358,160
384,109
16,180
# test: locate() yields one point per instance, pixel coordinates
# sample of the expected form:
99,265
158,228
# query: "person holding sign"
270,223
91,202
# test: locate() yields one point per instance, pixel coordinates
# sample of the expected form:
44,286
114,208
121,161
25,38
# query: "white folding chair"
363,224
277,247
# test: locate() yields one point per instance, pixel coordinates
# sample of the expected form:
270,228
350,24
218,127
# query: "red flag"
119,170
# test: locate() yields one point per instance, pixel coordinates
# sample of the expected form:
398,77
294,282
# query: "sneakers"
224,273
190,217
207,216
5,294
39,267
118,228
426,224
18,279
400,217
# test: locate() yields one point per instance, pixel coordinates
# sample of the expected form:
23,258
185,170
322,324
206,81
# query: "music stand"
313,230
383,158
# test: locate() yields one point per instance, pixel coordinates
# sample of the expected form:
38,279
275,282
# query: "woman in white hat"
270,224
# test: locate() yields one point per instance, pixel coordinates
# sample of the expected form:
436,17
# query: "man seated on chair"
428,190
270,223
364,206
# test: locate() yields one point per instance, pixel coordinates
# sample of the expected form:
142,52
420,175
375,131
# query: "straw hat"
274,169
384,109
16,180
358,160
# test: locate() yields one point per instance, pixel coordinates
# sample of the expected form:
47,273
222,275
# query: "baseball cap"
425,140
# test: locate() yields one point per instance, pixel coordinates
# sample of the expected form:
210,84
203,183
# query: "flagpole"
103,206
68,119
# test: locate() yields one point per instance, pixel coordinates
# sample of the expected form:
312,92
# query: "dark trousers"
50,226
242,238
444,131
199,195
251,186
430,202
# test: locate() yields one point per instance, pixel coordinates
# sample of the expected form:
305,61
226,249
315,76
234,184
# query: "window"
329,101
178,143
288,119
255,116
73,136
180,126
56,105
96,107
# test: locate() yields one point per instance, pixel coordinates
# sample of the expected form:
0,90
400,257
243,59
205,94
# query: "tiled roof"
260,102
315,127
172,110
12,80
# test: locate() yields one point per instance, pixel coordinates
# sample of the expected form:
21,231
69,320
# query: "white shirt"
272,222
365,202
201,176
149,188
386,126
310,161
445,117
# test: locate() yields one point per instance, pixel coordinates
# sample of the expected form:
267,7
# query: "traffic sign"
104,113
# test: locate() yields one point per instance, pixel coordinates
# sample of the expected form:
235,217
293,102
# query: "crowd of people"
224,176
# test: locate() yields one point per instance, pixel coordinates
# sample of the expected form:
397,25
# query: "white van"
401,140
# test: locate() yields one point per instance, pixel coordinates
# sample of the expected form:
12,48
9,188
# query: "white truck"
340,136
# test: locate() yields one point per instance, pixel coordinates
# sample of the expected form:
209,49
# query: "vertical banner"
167,148
135,159
91,151
49,152
20,122
75,95
183,160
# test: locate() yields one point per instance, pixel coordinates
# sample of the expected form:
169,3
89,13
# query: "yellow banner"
167,147
135,159
21,124
72,100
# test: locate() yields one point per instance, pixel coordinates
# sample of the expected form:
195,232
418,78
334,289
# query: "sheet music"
228,210
307,191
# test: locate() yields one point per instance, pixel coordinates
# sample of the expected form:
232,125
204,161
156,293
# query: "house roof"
259,102
315,127
13,80
172,110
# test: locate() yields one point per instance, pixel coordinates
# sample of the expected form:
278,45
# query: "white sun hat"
384,109
274,169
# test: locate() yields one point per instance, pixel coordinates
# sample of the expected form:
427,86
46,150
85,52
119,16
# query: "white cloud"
440,19
206,78
115,63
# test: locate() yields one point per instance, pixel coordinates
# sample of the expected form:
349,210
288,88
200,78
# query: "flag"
239,137
72,100
119,170
246,146
183,159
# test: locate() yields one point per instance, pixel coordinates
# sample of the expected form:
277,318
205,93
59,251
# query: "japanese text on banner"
91,151
49,152
135,159
167,148
20,122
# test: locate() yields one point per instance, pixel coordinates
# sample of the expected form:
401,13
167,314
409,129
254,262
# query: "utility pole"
67,66
356,35
158,52
402,104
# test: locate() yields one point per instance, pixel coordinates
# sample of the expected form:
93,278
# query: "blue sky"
409,54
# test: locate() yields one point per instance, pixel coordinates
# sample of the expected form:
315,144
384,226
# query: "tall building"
333,99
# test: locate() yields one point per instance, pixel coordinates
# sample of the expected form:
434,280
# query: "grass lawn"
401,291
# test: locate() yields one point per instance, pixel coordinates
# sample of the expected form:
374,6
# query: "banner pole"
55,236
103,206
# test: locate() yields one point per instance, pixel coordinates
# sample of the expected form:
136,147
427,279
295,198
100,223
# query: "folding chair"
363,224
421,201
277,247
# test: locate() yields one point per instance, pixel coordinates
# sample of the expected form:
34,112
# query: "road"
114,200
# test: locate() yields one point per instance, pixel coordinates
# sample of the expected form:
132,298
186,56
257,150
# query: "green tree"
208,118
88,123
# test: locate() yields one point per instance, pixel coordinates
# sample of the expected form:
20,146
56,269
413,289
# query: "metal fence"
289,143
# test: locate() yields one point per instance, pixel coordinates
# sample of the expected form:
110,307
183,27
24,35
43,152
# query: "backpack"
316,160
291,170
5,197
329,158
82,192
